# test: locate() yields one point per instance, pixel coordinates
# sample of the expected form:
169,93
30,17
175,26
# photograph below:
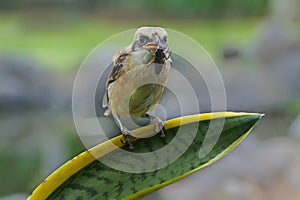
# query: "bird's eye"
165,39
142,40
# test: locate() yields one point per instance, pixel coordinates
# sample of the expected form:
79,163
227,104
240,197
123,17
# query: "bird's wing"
116,72
112,77
144,98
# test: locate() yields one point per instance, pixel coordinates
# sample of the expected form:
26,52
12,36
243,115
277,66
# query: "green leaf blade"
98,181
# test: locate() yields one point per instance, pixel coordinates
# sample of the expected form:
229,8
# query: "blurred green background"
255,44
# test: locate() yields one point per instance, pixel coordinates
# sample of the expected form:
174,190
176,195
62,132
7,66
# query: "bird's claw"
160,127
162,132
126,134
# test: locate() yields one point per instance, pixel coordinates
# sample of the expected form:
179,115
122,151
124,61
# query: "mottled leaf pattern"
97,181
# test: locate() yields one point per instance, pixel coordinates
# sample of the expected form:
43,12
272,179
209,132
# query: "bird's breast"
139,89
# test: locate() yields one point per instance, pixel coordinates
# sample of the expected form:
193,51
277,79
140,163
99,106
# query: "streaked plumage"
136,82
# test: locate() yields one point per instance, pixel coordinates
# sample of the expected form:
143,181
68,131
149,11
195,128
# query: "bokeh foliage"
176,8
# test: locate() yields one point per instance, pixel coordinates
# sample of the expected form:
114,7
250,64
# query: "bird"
137,80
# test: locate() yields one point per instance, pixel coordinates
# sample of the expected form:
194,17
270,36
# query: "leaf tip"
262,115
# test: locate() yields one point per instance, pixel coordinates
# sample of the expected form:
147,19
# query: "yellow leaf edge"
60,175
218,157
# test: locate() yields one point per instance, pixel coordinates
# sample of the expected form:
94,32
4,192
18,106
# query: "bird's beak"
151,46
157,44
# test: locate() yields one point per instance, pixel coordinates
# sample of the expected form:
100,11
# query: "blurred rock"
295,127
272,40
22,84
255,170
25,85
266,77
231,52
20,196
35,123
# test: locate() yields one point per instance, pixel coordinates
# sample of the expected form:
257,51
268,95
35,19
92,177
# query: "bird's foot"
159,125
126,134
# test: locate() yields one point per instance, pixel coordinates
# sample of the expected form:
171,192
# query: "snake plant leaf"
85,177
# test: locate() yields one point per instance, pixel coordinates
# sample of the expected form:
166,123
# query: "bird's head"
151,39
